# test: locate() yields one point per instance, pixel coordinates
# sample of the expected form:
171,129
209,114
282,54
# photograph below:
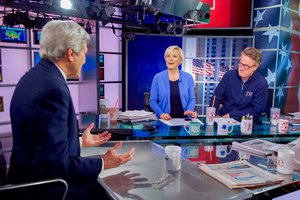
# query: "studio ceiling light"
66,4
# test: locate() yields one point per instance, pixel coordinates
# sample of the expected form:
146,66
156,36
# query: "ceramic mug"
173,157
194,128
224,127
223,150
285,161
283,126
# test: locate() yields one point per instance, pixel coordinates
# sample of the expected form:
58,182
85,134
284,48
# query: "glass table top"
159,130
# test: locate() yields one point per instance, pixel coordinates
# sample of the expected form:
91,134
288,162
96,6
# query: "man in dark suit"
44,125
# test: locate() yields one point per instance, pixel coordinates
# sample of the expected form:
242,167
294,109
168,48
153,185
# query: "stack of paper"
294,121
257,147
136,116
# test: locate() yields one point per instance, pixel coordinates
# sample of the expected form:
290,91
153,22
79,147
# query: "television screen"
36,57
101,90
101,73
17,35
101,60
36,36
229,14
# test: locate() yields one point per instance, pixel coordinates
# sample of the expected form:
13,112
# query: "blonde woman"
172,91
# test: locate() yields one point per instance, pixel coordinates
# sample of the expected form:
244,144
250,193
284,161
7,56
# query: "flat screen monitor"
36,37
101,73
101,90
36,58
101,60
229,14
11,34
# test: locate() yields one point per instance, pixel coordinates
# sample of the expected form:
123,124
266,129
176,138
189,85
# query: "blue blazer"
160,92
45,132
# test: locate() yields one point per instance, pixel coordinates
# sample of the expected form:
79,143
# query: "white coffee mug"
283,126
173,157
285,161
224,127
223,150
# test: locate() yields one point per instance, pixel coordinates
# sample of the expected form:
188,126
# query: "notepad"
179,121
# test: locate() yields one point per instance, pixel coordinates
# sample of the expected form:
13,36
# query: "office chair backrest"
53,189
3,167
146,102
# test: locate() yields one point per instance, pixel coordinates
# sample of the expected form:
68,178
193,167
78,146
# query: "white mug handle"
231,129
229,150
186,129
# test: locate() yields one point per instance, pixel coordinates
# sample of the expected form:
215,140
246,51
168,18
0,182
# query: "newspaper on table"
257,147
136,116
238,174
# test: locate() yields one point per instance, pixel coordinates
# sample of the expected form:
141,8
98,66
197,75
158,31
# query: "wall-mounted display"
36,37
208,59
1,104
101,91
101,73
0,67
1,79
15,35
229,14
101,60
36,57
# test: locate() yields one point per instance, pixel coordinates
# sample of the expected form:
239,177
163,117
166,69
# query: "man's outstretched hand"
111,159
89,139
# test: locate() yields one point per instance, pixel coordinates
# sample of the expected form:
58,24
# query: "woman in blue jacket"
172,90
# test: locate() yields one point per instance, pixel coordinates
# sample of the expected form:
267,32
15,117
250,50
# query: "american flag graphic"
222,70
200,67
276,30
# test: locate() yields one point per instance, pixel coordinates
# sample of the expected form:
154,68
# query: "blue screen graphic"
145,59
17,35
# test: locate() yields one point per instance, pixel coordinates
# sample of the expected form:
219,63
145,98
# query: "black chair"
3,167
53,189
146,102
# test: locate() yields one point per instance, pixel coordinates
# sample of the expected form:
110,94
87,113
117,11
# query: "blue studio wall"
145,59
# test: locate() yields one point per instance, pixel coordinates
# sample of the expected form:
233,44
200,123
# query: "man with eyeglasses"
243,91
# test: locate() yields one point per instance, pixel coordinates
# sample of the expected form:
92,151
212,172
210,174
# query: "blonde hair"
172,48
252,53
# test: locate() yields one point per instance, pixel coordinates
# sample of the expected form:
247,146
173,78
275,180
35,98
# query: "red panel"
228,14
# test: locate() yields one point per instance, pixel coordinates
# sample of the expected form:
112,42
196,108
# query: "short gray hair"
172,48
57,36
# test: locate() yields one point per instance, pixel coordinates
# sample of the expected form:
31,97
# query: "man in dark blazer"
44,125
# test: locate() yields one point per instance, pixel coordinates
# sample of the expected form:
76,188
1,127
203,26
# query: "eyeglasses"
245,65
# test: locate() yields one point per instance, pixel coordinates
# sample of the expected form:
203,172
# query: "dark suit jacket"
45,132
